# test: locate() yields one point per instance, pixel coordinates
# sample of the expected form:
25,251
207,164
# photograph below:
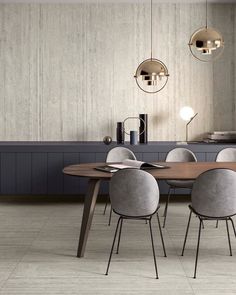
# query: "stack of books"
221,137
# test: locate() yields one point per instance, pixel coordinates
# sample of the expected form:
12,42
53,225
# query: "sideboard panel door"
39,173
211,157
139,156
162,157
8,173
201,157
23,173
71,184
55,175
150,157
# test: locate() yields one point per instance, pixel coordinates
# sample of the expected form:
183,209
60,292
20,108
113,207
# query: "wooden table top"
186,171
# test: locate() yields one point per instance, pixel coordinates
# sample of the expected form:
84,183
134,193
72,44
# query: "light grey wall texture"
66,70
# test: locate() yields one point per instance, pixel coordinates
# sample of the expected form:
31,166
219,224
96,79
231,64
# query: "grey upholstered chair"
213,198
117,154
226,155
178,155
134,194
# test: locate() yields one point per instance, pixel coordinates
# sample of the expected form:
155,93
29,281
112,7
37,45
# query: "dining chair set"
134,194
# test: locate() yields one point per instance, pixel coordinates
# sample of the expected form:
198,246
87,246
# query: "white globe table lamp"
187,114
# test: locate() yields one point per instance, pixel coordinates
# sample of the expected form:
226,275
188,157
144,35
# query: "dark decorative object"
143,128
107,140
133,137
120,135
134,134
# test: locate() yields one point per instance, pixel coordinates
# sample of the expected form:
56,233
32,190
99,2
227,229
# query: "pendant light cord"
151,29
206,14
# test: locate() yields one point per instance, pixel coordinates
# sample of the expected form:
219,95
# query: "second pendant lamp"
152,74
206,44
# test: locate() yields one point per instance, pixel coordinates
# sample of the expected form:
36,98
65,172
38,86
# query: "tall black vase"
143,128
120,134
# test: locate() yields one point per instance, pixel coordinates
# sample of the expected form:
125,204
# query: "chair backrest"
134,193
226,155
214,193
181,155
119,154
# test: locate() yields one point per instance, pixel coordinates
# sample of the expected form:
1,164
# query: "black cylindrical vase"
143,128
120,134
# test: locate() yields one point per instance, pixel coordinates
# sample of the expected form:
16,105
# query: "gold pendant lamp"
206,44
152,74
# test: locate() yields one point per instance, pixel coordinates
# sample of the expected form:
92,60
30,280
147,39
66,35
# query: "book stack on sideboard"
222,137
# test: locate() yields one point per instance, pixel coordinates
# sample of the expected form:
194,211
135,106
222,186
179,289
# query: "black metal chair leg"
198,243
186,234
227,226
167,201
162,240
109,222
203,225
166,207
217,223
118,244
104,212
153,250
233,225
109,261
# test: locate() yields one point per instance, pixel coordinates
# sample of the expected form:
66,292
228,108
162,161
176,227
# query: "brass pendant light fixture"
206,44
151,75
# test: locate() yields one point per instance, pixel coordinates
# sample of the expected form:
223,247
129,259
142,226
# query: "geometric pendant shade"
152,74
206,44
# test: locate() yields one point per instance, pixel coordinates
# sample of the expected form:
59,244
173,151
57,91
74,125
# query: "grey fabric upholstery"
226,155
134,193
119,154
181,155
214,192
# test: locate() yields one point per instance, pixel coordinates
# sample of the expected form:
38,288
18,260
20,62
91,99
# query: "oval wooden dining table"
178,171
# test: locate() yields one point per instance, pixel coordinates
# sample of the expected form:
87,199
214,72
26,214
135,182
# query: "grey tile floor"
38,243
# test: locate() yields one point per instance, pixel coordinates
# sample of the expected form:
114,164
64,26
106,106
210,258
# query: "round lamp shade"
151,75
206,44
186,113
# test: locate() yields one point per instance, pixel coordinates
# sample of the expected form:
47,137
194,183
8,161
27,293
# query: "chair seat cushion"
181,183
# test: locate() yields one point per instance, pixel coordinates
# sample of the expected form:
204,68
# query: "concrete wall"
66,70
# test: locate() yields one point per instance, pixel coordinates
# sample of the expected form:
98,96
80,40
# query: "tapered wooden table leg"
89,206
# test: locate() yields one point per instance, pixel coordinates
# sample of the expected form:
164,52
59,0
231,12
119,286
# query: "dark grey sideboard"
35,168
